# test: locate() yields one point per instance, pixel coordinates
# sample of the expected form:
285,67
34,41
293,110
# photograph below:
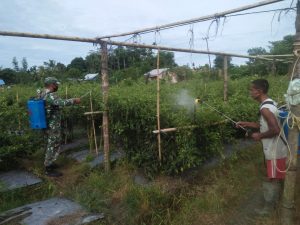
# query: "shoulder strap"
272,103
265,103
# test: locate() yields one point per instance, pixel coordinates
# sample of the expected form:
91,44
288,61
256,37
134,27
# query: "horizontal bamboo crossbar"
92,113
173,129
194,20
95,40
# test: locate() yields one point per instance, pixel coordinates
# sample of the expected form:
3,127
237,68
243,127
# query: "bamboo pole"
158,107
93,124
19,119
279,56
105,86
47,36
207,48
66,122
162,48
194,20
288,198
172,129
225,74
165,48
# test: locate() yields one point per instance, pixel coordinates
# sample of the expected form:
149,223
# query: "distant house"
162,73
91,76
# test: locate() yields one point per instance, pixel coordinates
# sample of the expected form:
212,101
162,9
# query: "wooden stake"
93,124
105,86
158,107
66,121
19,119
225,71
288,198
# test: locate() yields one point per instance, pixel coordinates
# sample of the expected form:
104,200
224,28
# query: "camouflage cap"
51,80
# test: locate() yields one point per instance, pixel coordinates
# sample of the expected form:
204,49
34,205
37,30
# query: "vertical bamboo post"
225,71
158,107
288,199
209,66
19,119
66,123
93,124
105,85
273,68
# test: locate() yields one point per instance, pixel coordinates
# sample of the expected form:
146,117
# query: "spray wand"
199,101
85,94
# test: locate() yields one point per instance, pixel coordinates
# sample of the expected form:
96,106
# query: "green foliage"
8,75
132,119
78,63
257,67
16,140
284,46
182,72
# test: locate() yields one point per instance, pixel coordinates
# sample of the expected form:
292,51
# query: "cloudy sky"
92,18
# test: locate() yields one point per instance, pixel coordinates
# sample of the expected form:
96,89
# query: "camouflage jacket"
53,103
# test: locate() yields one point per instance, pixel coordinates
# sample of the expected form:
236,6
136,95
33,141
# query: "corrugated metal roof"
154,73
90,76
2,82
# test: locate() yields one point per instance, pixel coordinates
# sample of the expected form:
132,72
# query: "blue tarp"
2,82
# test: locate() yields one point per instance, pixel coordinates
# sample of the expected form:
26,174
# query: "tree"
8,75
50,66
257,66
78,63
34,73
74,73
284,46
15,64
24,64
93,62
166,59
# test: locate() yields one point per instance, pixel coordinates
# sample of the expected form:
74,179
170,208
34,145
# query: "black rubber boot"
54,166
271,196
50,172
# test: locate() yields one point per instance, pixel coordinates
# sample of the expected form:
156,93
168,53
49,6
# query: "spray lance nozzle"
198,100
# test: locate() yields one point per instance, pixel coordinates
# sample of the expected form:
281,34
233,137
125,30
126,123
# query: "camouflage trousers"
53,145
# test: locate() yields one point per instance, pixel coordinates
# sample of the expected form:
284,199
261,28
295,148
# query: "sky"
94,18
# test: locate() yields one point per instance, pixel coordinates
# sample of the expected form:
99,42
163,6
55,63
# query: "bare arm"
271,120
247,124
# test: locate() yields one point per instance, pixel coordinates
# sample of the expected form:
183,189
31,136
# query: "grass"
19,197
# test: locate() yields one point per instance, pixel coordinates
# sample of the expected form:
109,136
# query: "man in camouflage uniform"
53,104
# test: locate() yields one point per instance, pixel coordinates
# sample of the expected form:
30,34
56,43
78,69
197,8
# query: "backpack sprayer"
37,112
200,101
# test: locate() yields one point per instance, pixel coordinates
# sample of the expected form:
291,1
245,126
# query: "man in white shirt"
274,145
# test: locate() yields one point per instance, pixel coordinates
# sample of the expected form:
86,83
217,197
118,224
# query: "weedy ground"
225,194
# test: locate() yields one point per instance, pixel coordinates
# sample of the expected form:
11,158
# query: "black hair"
261,84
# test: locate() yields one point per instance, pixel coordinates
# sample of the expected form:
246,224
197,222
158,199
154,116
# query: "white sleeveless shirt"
274,148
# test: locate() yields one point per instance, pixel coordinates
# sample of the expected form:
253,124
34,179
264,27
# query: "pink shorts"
275,168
